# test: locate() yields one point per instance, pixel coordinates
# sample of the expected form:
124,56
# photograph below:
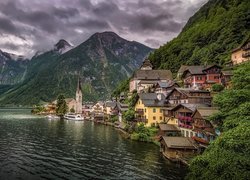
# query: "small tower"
146,65
79,97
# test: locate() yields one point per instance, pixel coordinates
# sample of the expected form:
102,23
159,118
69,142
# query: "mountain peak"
62,46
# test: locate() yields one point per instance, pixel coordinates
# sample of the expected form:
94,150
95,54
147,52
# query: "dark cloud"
39,24
7,26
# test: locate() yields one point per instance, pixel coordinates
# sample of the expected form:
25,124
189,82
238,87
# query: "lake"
32,147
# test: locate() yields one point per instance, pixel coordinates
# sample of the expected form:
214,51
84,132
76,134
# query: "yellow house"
149,108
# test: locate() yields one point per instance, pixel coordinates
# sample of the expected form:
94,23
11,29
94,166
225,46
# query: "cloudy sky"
28,26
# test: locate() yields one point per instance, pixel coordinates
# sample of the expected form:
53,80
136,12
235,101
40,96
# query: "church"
78,104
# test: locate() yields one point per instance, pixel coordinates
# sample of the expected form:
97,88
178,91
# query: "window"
161,110
187,134
154,110
145,110
160,118
154,118
199,78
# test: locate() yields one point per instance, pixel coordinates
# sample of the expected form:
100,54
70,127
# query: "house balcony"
246,55
200,140
139,112
185,126
185,118
200,125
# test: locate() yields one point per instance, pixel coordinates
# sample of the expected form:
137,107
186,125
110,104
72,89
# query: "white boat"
74,117
51,116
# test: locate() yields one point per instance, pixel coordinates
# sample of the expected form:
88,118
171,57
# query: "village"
177,110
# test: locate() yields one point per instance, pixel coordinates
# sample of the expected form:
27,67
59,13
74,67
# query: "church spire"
79,87
79,96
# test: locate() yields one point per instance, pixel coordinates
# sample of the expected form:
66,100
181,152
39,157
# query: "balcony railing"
185,118
139,111
200,140
185,126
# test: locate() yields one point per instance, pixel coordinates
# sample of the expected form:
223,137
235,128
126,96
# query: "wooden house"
226,77
168,130
188,96
201,77
205,131
184,112
176,148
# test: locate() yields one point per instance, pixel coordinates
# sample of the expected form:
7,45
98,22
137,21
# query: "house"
120,108
87,108
205,131
201,77
165,87
242,53
145,77
176,148
169,115
98,107
184,112
226,77
149,108
188,95
168,130
109,108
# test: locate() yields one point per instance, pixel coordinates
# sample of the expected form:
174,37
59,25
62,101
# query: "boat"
51,117
74,117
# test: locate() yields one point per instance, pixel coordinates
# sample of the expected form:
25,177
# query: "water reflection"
37,148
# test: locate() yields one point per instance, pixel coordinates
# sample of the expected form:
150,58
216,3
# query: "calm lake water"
32,147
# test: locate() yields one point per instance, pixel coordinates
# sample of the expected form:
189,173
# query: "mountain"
62,46
102,62
208,37
12,68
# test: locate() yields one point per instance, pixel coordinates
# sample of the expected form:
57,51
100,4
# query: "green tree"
129,115
228,156
217,87
72,110
61,106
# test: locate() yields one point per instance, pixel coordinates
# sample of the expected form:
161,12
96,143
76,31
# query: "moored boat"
51,116
74,117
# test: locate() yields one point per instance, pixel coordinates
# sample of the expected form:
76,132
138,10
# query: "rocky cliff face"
102,61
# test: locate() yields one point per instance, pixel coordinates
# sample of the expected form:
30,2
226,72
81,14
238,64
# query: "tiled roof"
179,142
191,107
111,104
168,127
207,111
198,69
151,100
153,74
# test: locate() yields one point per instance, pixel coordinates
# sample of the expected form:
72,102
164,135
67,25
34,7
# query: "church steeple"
79,96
